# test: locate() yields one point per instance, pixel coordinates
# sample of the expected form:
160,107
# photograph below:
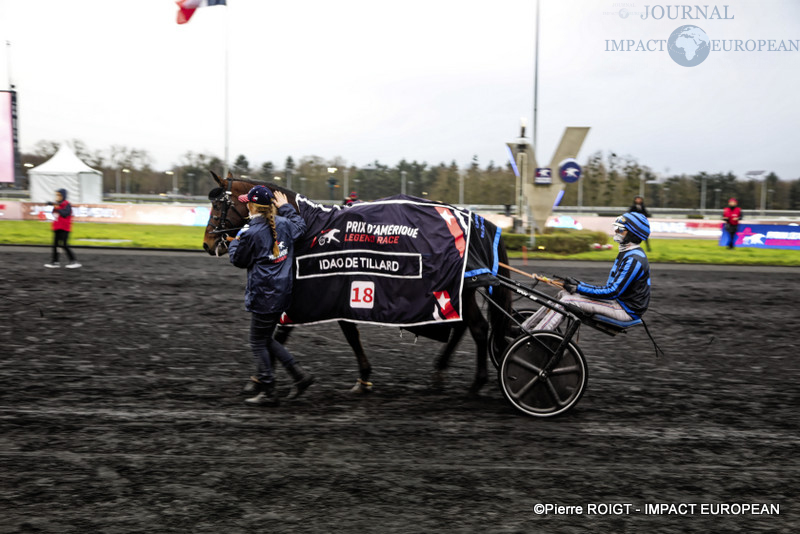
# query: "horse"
228,215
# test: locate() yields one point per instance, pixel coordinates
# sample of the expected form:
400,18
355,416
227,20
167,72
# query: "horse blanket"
399,261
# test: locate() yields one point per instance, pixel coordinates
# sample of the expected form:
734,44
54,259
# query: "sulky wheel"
513,331
534,392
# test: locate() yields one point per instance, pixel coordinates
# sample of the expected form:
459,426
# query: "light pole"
703,194
403,182
127,181
522,143
756,175
666,196
332,180
189,176
174,181
717,191
346,173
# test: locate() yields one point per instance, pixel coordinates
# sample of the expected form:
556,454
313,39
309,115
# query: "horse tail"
502,297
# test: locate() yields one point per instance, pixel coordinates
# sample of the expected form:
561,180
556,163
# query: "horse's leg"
479,328
442,362
350,332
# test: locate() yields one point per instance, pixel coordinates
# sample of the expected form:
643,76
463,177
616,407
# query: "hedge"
559,241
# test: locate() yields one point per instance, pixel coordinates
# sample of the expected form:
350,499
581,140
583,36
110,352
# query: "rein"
225,204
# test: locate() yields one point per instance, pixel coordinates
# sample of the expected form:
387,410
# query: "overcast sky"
425,80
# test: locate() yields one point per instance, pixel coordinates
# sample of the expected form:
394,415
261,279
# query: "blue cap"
635,223
260,195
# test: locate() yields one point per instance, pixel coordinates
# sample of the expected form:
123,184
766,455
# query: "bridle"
222,200
221,224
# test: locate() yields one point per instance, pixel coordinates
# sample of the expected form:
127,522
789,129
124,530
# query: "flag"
186,8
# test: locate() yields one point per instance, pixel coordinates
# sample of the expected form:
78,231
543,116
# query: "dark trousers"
731,229
262,326
60,240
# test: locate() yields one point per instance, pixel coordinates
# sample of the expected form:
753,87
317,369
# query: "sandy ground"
120,412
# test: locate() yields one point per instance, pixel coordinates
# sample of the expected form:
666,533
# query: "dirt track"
120,412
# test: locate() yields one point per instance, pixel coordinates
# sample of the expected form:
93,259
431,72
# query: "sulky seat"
611,326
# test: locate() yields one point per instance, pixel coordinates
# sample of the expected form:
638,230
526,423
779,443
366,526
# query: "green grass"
191,237
123,235
686,251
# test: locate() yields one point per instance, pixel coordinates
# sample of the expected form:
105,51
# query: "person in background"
265,247
62,225
732,214
352,198
626,295
638,207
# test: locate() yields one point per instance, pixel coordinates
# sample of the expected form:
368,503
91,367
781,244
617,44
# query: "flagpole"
8,66
536,82
227,112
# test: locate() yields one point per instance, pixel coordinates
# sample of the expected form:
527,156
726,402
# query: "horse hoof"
361,387
475,389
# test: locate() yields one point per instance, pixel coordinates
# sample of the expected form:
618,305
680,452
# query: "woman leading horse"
228,215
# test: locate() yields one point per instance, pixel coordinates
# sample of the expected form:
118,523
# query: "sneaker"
251,387
73,265
264,398
55,265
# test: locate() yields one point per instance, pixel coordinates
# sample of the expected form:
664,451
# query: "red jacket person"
62,225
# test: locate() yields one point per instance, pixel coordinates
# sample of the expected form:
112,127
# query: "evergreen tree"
241,165
794,195
267,171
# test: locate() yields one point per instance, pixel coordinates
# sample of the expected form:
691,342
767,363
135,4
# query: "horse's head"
228,215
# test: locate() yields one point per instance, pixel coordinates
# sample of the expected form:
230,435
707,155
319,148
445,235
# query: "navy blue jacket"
269,279
628,283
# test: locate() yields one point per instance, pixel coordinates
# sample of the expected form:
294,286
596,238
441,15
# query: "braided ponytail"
269,213
276,251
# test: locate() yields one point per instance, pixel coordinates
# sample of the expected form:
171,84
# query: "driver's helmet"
635,223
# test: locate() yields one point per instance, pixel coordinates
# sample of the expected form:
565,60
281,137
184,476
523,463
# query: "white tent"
64,170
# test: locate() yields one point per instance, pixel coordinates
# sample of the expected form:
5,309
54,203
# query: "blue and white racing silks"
628,283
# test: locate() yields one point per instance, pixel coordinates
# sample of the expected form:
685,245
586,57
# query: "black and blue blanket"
399,261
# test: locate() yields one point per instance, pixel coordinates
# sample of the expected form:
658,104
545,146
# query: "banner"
398,261
691,228
117,213
765,236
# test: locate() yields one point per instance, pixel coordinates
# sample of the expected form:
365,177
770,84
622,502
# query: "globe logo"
688,46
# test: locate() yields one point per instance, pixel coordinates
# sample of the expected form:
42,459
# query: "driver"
625,296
